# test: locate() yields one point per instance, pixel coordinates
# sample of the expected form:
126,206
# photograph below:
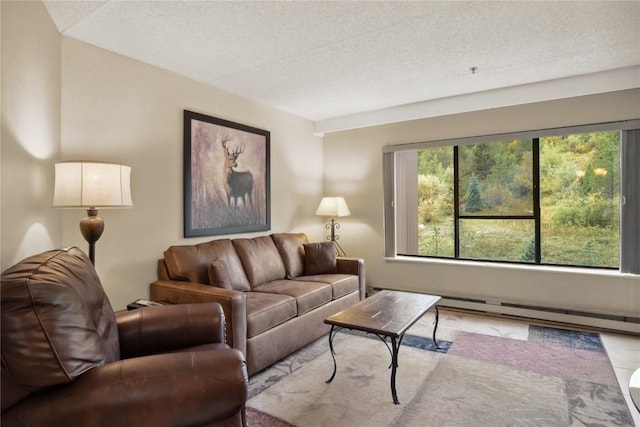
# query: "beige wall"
66,100
119,110
353,168
30,130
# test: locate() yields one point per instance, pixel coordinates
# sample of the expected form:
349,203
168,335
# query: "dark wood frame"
209,207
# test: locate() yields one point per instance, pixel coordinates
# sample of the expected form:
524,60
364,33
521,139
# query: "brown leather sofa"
69,360
275,290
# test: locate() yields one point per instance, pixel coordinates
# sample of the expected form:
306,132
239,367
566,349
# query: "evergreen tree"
474,197
530,252
483,159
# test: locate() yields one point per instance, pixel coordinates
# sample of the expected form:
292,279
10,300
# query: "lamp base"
91,228
333,225
339,251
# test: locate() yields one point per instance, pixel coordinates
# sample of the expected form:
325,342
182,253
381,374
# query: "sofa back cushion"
57,322
260,259
191,262
290,247
320,258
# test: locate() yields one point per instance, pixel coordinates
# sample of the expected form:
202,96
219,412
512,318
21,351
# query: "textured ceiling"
327,59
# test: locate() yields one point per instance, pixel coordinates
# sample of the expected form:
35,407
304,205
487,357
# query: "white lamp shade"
96,185
333,207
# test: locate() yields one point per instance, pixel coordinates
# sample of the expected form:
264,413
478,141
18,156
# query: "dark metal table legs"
332,333
435,328
394,365
394,350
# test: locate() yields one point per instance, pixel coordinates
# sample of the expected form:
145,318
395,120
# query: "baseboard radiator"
596,320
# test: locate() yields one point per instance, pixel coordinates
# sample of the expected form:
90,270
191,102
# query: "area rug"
554,378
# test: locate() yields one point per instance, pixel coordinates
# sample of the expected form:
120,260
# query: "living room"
63,99
138,122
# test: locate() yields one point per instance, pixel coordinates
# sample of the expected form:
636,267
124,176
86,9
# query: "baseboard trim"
553,314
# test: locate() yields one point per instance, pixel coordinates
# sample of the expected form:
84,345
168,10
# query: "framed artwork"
226,177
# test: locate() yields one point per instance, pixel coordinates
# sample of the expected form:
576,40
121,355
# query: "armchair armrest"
189,388
234,305
152,330
354,266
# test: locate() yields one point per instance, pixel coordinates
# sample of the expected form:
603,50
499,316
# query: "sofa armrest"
152,330
234,305
354,266
188,388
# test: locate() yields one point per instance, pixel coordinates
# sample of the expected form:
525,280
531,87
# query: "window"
548,197
580,199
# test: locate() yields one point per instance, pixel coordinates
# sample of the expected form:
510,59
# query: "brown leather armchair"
68,359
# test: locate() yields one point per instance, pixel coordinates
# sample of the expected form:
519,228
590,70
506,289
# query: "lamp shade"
333,207
89,184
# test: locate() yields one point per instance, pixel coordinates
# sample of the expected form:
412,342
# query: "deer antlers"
236,152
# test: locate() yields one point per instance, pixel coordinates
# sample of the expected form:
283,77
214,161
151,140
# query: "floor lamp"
92,185
333,207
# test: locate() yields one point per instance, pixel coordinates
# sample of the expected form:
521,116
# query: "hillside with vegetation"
579,200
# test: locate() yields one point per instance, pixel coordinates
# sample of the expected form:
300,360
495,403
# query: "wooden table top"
387,312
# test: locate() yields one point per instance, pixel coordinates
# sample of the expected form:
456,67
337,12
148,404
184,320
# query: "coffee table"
387,314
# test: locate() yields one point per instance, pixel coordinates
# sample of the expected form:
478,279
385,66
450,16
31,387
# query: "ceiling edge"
586,84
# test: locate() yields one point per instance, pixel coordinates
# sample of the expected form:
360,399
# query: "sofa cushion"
191,262
260,259
308,295
219,274
341,284
290,247
267,310
57,322
320,258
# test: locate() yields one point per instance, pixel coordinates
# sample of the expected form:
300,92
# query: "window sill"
512,267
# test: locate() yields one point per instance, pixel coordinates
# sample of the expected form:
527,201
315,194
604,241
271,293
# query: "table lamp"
333,207
92,185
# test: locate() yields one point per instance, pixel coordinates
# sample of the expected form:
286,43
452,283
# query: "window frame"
629,191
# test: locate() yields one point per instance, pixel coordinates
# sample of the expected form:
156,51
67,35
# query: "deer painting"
237,185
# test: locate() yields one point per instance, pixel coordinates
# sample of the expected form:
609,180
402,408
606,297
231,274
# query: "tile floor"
623,349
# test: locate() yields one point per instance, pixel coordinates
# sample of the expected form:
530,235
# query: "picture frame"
226,177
